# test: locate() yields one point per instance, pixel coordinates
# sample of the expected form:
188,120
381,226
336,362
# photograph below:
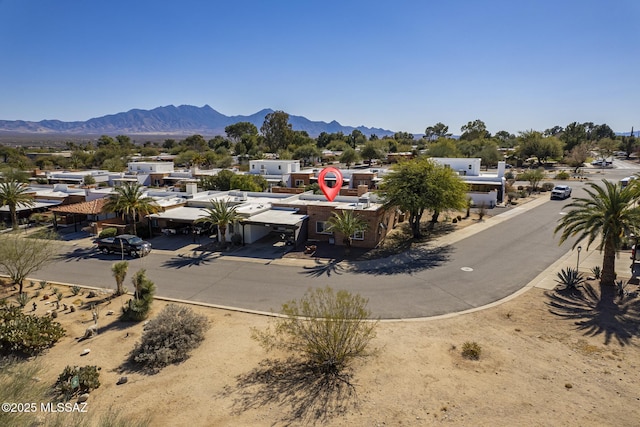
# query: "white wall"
466,167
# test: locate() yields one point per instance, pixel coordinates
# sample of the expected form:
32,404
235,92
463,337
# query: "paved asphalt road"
475,271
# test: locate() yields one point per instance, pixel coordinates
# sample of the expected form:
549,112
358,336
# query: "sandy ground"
549,358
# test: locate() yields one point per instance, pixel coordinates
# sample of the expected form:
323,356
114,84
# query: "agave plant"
571,278
597,272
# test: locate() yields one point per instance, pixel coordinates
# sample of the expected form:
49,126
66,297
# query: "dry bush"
169,337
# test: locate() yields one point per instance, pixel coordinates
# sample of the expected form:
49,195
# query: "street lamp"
578,262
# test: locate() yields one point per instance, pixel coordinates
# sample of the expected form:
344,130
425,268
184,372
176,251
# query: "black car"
124,243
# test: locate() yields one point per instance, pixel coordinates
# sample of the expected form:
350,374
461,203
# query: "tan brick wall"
287,190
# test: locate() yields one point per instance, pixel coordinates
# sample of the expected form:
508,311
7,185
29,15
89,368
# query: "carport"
288,223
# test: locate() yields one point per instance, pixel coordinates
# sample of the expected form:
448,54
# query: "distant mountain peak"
169,119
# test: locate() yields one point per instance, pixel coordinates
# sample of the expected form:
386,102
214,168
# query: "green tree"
88,180
439,130
254,183
572,135
307,153
328,329
371,151
606,148
14,194
534,176
221,215
223,180
420,184
349,156
474,130
277,131
196,142
22,256
357,138
443,147
237,130
533,144
119,271
605,217
348,224
129,200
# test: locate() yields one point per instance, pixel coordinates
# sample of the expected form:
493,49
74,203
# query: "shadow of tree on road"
79,254
324,268
614,318
311,396
192,260
412,261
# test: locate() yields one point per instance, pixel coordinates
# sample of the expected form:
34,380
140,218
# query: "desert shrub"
42,284
471,350
22,299
482,211
562,175
547,186
570,278
329,329
77,380
169,337
27,334
18,384
138,308
108,232
75,290
509,175
597,272
236,239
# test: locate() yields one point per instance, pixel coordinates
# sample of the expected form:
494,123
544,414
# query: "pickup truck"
125,243
561,192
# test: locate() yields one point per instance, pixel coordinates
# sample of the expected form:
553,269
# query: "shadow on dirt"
594,314
313,397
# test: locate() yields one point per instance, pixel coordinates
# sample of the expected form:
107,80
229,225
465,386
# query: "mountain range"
172,120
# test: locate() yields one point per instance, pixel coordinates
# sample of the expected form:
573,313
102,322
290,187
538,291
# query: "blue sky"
401,65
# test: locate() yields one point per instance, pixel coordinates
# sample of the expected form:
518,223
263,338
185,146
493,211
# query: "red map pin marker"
330,192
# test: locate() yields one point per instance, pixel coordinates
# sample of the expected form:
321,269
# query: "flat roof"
277,216
36,205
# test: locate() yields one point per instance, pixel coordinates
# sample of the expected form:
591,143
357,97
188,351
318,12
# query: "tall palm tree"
221,215
119,271
347,224
130,201
12,194
607,215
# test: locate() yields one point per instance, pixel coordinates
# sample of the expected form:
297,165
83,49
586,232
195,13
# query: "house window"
279,167
358,235
321,227
469,167
253,166
299,182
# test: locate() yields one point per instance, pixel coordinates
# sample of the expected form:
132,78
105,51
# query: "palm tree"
221,215
119,271
12,194
347,224
608,214
130,201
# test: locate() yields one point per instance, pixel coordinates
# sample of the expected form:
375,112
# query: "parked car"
124,243
561,192
601,163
